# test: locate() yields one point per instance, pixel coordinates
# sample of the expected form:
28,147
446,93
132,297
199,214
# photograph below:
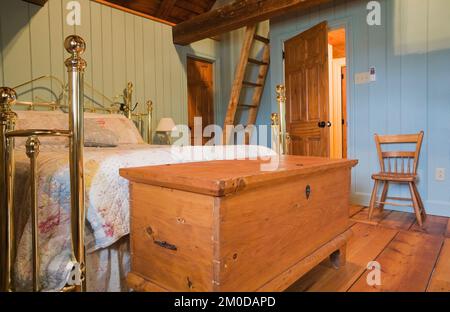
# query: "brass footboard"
75,66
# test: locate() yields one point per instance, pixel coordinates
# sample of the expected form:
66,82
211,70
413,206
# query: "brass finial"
75,45
275,120
32,146
7,97
280,89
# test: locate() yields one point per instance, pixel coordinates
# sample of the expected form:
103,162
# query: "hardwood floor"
411,258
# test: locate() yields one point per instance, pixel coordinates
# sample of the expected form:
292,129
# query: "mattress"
106,200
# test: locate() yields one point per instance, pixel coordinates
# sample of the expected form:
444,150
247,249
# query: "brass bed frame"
76,65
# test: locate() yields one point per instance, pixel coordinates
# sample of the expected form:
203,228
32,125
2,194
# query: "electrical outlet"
440,174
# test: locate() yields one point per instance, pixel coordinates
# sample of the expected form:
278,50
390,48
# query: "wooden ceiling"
170,11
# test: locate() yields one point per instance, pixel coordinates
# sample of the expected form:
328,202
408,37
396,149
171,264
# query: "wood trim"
37,2
236,15
121,8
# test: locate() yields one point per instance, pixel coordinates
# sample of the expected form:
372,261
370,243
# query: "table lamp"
165,127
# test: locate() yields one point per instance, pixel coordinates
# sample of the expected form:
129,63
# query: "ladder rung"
251,84
262,39
257,62
247,106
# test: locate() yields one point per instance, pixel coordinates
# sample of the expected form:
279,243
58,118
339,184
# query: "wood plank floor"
411,258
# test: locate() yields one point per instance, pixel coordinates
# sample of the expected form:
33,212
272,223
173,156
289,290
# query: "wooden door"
344,112
200,94
306,74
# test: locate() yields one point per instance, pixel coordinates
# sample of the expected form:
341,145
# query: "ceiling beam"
238,14
38,2
165,8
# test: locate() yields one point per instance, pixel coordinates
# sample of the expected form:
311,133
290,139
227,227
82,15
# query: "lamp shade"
166,125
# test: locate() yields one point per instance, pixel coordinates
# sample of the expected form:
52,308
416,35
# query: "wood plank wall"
121,47
411,52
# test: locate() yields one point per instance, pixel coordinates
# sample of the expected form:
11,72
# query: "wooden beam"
38,2
236,15
165,8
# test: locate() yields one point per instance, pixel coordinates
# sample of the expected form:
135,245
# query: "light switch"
373,74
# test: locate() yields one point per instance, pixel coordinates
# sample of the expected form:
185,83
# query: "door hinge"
284,55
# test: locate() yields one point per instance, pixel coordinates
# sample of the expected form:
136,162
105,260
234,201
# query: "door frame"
217,94
345,23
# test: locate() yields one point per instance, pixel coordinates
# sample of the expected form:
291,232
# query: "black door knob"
329,124
322,124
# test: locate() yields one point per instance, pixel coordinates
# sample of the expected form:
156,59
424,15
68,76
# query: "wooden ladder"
239,82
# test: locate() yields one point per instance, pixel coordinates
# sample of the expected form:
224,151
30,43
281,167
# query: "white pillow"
96,136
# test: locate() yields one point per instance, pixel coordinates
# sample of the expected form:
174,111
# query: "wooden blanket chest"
229,226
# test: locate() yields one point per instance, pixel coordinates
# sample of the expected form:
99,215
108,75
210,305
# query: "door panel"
200,94
306,70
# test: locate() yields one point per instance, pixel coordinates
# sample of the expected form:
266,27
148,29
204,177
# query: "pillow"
96,136
124,128
42,120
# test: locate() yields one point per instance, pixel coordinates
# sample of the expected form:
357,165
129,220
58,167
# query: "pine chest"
229,226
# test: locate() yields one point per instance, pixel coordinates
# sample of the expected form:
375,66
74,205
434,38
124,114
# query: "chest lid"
219,178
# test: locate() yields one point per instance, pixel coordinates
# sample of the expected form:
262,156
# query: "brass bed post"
149,121
284,136
75,45
32,150
7,243
275,133
128,95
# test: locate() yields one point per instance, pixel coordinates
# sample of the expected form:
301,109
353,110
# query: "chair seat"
395,177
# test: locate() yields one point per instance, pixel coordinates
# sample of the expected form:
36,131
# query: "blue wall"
411,52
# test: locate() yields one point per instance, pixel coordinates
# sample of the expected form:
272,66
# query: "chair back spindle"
399,162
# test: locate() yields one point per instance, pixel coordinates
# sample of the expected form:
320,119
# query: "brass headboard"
119,104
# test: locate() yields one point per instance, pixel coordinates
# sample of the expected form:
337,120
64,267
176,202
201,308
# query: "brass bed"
71,99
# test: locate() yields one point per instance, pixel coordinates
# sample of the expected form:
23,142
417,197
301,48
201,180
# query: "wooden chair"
398,167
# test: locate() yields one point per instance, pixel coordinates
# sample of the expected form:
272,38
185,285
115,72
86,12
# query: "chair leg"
421,205
373,199
415,204
384,195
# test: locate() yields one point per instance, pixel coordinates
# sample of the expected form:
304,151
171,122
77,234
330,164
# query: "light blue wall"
411,52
